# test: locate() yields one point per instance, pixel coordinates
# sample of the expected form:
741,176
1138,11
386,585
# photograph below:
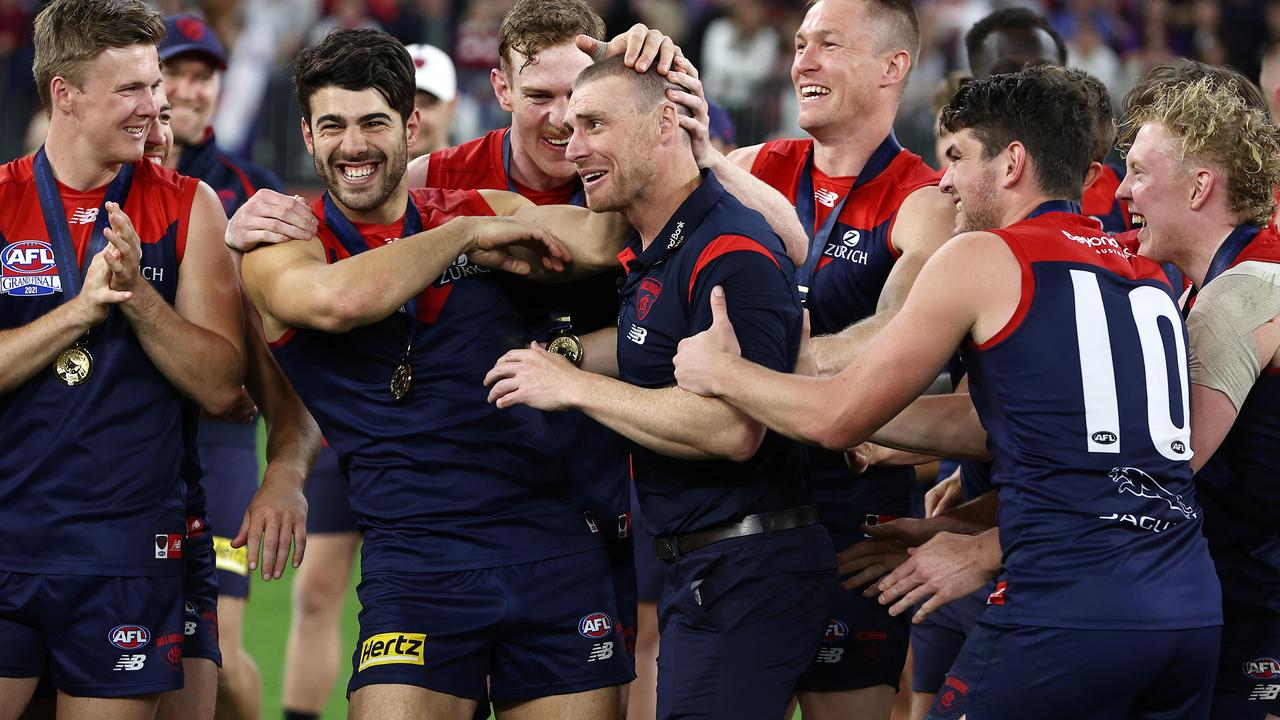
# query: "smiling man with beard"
475,553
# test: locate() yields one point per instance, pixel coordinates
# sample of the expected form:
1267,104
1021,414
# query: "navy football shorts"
936,642
622,569
200,600
230,479
740,620
535,629
1016,672
862,646
100,636
1248,686
328,507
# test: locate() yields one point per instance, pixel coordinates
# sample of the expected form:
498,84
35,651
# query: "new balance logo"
129,663
84,216
600,651
830,656
827,197
637,334
1265,692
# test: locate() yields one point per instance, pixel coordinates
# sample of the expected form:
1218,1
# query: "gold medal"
73,365
401,380
568,346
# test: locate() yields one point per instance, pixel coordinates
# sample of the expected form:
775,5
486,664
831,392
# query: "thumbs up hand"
700,360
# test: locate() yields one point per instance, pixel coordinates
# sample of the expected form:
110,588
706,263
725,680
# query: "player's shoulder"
16,173
157,178
783,152
1265,247
911,173
465,156
440,204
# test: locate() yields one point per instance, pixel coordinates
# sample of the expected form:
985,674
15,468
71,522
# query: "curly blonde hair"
1212,123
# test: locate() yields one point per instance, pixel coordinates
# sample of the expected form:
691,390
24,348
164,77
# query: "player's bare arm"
277,515
198,342
937,425
750,190
1231,340
923,224
32,348
666,420
593,239
969,288
293,286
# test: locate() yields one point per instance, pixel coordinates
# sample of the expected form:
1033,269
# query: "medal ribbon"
70,272
807,210
1230,249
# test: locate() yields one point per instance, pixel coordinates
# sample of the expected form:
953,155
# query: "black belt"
672,547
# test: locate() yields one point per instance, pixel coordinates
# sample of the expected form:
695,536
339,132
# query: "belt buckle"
664,548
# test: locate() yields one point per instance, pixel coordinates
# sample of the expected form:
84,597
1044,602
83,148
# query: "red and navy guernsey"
441,480
89,479
849,222
1085,397
1240,485
712,239
597,456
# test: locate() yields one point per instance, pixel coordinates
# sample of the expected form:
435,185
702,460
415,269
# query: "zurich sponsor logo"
129,637
1263,668
836,631
595,626
851,238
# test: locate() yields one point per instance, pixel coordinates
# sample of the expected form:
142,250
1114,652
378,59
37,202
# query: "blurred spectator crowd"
743,49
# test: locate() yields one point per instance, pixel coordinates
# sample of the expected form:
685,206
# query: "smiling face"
971,183
359,145
612,144
537,96
836,66
160,133
1156,190
116,102
192,84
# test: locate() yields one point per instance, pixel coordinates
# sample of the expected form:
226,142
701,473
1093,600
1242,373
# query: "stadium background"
742,48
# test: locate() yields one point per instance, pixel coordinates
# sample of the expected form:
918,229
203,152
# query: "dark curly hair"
1043,108
356,60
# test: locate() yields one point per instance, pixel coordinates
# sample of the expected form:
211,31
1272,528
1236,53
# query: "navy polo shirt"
712,239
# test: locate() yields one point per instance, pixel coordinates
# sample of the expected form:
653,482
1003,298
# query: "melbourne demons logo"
28,268
650,289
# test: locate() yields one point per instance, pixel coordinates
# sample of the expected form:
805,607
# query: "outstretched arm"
897,366
293,286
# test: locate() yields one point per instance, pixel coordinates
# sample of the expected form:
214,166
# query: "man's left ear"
897,65
1203,182
412,125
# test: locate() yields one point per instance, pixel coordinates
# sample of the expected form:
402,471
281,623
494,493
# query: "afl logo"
28,257
1264,668
129,637
595,626
1102,437
851,238
836,631
1178,446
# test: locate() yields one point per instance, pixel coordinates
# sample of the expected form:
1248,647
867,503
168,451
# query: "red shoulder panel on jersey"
724,245
473,165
